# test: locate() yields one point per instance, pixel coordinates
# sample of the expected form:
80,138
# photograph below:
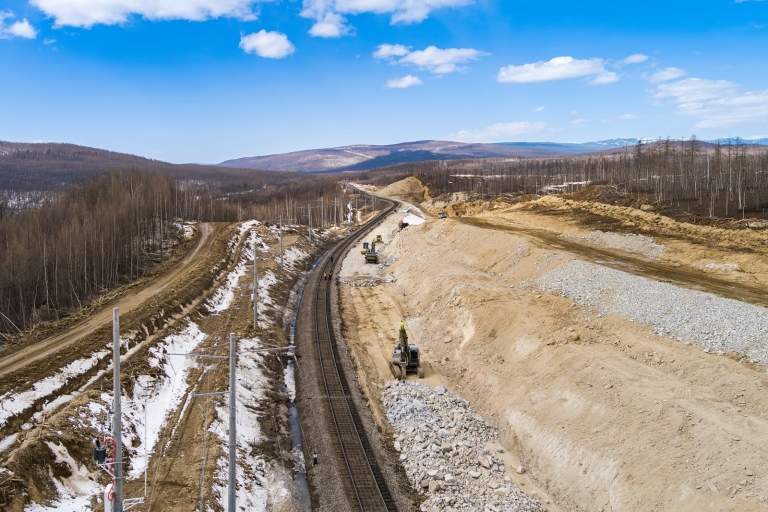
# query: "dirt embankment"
186,451
604,414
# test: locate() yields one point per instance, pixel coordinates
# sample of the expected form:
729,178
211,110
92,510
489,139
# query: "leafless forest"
87,239
79,242
729,179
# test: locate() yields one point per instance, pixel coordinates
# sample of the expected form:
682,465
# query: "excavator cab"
371,256
405,357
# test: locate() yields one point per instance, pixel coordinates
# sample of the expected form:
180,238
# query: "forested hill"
48,166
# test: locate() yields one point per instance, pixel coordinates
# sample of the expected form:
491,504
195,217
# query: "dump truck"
405,357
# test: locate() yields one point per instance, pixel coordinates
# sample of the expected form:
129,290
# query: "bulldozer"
405,357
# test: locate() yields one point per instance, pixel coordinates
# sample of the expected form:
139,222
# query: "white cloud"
387,51
628,117
538,109
21,28
87,13
433,59
579,121
271,45
330,26
666,74
715,103
404,82
501,132
606,77
558,68
402,11
636,58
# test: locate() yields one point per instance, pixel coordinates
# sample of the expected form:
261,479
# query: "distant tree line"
83,240
726,179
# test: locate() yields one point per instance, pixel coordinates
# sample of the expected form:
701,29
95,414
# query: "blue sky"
209,80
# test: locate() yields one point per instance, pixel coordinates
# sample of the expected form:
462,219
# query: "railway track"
367,486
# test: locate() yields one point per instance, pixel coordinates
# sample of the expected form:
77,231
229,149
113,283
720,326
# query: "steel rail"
367,487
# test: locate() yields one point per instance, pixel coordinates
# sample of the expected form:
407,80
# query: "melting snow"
413,220
74,491
162,395
13,404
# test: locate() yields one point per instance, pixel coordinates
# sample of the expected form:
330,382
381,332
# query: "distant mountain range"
48,166
43,166
365,157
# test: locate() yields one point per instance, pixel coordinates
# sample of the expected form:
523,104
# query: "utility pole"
281,242
232,470
309,210
117,418
255,287
232,423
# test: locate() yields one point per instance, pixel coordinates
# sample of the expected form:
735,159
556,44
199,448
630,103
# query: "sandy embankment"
604,414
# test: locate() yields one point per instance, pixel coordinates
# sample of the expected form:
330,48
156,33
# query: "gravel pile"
717,324
441,441
639,244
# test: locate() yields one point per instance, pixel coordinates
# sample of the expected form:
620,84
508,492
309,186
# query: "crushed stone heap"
442,445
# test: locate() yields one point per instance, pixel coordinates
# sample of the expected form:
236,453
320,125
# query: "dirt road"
126,303
603,414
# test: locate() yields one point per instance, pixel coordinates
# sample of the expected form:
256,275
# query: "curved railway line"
366,485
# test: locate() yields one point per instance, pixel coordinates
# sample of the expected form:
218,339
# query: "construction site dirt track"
125,302
602,412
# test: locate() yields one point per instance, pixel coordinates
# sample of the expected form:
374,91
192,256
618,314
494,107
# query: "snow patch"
251,471
161,395
15,403
75,491
413,220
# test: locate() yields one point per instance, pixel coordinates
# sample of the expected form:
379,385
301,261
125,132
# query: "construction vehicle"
378,239
401,224
364,250
371,256
405,357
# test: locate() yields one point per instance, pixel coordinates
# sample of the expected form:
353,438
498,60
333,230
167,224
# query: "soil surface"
603,414
187,457
126,302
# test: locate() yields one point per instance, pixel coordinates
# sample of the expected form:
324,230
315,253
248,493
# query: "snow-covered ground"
252,468
164,393
15,403
75,491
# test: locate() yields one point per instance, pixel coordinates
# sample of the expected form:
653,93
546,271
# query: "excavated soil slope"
603,413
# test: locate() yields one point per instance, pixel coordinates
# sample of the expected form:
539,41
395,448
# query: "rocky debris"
441,441
718,324
722,267
639,244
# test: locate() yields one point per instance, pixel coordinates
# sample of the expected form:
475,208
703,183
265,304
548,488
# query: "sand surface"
602,413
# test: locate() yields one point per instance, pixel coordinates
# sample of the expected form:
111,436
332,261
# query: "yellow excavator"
405,357
371,256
